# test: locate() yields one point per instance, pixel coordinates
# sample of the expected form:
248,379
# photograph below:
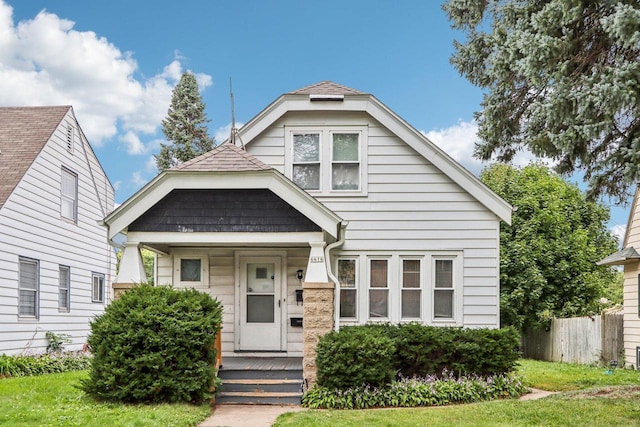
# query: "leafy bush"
355,356
56,342
21,366
373,354
443,389
154,344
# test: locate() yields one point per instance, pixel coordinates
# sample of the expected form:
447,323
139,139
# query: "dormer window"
306,160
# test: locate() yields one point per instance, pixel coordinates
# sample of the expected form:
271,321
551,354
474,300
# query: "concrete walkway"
247,415
265,415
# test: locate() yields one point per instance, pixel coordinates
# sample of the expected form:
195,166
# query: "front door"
260,304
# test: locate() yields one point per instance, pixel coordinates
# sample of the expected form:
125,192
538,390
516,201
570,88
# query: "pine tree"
561,79
185,126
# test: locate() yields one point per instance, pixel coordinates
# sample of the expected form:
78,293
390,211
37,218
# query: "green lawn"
55,400
590,397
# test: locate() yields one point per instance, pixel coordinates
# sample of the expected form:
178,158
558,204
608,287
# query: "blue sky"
117,61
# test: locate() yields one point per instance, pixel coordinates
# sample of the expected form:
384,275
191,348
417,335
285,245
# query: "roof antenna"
234,130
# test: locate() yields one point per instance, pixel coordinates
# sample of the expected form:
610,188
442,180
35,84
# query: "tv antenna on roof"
234,131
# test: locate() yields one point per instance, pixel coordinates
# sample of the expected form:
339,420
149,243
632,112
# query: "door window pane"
190,270
260,309
260,278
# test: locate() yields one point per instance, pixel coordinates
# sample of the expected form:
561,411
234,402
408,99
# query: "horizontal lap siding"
31,226
410,206
631,271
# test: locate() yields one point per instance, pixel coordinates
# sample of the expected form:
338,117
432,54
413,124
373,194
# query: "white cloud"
459,141
137,179
222,133
53,64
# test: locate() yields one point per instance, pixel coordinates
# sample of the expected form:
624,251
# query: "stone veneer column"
121,288
317,321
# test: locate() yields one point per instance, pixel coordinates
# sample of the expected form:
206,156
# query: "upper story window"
327,160
69,195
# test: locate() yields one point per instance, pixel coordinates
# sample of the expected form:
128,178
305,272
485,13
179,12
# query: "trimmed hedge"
21,366
154,344
375,354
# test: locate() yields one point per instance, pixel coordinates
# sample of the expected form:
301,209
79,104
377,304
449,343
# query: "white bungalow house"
629,258
56,264
328,210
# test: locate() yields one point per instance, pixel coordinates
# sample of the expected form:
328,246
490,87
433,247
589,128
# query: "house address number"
316,259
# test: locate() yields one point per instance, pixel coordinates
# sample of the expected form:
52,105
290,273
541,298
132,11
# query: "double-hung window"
28,287
97,287
328,160
306,160
348,278
443,289
69,195
378,288
64,288
411,288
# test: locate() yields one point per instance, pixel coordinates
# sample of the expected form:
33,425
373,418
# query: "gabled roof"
621,257
354,100
226,157
326,88
24,131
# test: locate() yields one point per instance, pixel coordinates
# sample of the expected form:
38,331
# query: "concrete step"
262,385
259,398
232,374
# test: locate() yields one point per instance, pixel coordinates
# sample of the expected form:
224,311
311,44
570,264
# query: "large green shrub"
355,356
154,344
373,354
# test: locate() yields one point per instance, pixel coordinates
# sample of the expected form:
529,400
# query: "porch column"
317,309
131,270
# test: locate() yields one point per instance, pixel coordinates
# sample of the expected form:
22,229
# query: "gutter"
332,277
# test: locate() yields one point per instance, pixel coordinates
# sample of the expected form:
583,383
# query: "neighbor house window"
345,161
97,287
444,288
28,287
64,287
378,288
69,195
411,288
348,278
306,160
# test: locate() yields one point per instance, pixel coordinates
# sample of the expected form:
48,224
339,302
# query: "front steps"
260,382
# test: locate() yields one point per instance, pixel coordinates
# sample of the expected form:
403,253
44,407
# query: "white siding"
410,206
31,226
631,289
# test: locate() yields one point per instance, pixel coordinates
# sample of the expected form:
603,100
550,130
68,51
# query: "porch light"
300,274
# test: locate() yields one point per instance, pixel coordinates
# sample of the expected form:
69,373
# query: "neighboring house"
629,258
56,264
328,191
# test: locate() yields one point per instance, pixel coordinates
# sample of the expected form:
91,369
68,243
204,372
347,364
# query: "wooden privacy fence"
583,340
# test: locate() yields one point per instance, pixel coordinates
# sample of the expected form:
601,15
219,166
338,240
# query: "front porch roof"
226,167
624,256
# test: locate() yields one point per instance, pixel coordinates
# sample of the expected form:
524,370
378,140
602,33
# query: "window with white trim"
444,287
191,271
69,195
97,287
378,288
348,279
411,281
327,160
28,287
64,288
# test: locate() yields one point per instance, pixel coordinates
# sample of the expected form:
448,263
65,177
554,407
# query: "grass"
589,397
55,400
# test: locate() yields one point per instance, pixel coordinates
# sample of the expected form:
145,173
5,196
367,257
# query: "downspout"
332,277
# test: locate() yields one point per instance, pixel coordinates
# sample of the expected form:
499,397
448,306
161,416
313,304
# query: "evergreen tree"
185,126
561,78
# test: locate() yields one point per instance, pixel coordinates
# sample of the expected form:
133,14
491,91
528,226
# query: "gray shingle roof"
621,257
24,131
224,158
326,88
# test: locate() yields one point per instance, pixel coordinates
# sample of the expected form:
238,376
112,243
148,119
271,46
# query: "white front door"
260,304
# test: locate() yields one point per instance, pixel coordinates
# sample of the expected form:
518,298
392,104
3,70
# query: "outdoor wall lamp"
299,274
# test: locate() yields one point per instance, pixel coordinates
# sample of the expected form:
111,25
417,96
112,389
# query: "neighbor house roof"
24,131
226,157
621,257
326,88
